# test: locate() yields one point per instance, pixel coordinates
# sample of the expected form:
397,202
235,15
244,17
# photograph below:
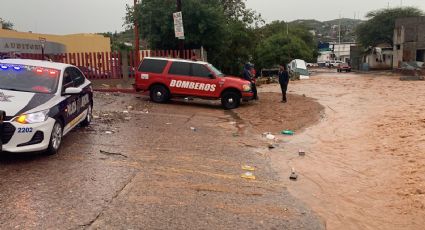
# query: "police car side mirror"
72,91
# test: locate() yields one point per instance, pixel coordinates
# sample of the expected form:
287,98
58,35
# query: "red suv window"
199,70
152,66
180,68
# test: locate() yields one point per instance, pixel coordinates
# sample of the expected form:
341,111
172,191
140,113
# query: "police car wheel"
55,139
86,122
159,94
230,100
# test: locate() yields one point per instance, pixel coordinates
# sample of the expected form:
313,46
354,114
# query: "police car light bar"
51,72
38,70
6,67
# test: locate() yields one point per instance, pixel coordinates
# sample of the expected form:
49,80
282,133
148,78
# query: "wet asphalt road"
152,172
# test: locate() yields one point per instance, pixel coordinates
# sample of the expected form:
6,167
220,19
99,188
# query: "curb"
116,90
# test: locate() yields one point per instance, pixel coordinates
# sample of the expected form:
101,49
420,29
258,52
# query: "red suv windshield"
215,70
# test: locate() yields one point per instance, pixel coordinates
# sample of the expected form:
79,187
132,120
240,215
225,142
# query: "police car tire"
163,91
52,149
86,122
230,100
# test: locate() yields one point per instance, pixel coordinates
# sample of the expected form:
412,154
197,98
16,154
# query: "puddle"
241,125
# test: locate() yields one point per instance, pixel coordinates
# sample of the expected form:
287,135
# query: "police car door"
205,81
82,99
68,106
73,107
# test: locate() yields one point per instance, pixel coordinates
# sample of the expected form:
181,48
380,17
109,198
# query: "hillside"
327,31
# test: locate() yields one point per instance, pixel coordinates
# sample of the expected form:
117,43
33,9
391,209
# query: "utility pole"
136,34
43,42
339,38
181,41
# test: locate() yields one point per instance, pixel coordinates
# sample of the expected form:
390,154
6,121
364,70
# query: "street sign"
42,41
178,25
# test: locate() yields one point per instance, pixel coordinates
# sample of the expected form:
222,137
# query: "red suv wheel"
159,94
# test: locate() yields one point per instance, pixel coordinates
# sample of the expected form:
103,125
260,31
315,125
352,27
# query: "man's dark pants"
254,90
284,88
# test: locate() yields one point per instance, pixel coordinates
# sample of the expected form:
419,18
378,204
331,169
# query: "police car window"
199,70
28,78
180,68
152,66
67,78
77,77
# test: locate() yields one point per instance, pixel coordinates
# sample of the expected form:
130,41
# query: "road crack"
107,206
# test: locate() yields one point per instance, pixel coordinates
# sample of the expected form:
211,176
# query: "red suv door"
191,79
177,77
206,84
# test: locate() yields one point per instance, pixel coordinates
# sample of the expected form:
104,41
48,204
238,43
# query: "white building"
342,51
325,56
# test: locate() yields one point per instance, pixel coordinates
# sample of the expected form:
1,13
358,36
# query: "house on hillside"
372,58
409,40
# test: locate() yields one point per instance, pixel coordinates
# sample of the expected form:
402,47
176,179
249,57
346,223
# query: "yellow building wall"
74,43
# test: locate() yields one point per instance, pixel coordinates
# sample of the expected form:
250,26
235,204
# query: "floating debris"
248,168
111,153
248,175
294,175
272,146
288,132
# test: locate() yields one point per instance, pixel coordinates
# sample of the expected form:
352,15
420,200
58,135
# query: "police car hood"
18,102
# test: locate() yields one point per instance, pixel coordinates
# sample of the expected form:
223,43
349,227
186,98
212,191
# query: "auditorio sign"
29,46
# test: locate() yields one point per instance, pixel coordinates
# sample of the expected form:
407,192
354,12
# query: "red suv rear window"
152,66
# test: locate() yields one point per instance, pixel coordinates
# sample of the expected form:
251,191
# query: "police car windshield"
215,70
28,78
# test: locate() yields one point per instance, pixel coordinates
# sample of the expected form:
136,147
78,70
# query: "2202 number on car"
24,130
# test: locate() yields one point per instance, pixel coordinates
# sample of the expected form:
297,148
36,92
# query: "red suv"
344,67
166,78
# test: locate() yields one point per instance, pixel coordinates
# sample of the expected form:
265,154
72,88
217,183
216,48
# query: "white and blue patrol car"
42,102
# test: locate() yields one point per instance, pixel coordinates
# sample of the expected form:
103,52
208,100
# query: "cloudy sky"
89,16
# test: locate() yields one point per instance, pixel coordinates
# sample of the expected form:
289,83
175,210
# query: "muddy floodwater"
365,160
142,165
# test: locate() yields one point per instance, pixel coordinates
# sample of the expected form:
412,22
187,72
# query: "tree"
379,28
236,10
6,24
238,48
281,48
280,44
203,23
118,42
223,27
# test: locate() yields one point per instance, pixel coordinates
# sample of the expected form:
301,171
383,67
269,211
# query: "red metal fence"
109,65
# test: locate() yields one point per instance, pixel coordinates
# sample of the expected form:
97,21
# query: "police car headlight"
32,118
246,88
